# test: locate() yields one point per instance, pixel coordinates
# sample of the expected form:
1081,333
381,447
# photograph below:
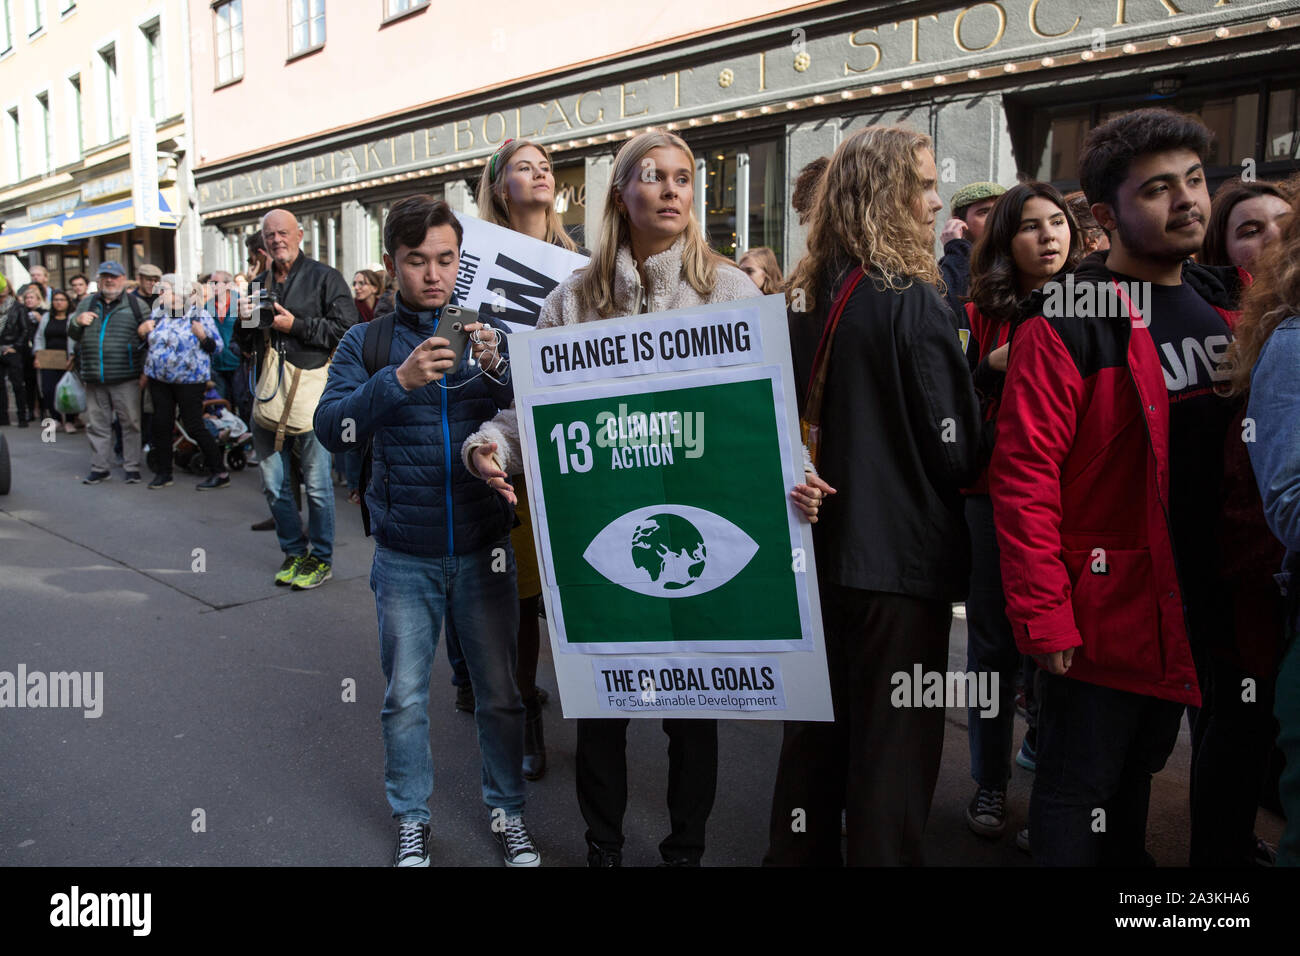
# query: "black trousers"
601,770
11,367
1097,750
50,378
1230,765
189,396
877,761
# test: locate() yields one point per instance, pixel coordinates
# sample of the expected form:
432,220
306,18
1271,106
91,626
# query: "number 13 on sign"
581,459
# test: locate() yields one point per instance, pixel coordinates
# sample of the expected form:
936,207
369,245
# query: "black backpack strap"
375,349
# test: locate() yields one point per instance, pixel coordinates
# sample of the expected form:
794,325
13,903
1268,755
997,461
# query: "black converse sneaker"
987,812
517,846
412,844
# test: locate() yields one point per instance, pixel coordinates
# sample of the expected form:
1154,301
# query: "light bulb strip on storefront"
908,85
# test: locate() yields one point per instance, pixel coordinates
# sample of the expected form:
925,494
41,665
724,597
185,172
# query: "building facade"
1007,90
94,104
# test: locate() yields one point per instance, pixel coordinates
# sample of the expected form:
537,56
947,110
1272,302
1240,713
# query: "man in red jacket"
1098,477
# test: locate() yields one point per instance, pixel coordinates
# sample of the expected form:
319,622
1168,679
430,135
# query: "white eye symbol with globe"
670,551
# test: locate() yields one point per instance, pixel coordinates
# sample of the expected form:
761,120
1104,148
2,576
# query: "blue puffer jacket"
421,499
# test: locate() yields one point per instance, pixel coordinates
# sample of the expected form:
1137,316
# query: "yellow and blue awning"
32,235
81,224
110,217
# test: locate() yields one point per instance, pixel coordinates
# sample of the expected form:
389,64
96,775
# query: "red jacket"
1080,486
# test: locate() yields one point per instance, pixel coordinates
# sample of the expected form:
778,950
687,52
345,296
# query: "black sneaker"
160,481
987,813
603,857
213,481
132,478
95,477
465,698
412,844
517,847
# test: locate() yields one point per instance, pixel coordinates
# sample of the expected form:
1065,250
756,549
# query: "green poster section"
738,477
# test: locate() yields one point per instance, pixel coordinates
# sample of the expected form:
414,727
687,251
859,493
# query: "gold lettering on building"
1037,31
1121,10
623,97
916,34
550,111
457,130
961,17
577,110
430,142
500,134
853,41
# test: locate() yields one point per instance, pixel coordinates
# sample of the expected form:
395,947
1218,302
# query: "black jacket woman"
52,336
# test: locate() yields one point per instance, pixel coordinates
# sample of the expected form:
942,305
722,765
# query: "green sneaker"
312,573
289,570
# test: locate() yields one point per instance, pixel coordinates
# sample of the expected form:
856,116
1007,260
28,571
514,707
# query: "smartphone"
451,326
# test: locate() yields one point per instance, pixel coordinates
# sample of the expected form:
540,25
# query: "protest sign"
678,576
505,275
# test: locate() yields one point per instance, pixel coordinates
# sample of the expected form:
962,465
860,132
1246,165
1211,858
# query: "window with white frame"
6,26
47,131
66,7
111,97
230,41
155,86
78,138
306,25
395,8
35,17
14,138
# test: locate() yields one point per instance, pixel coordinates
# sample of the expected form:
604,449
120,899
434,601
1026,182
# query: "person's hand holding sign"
808,497
489,469
431,360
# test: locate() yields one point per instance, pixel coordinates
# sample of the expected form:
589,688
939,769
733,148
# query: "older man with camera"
294,316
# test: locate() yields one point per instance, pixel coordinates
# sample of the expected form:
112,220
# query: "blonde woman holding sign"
650,256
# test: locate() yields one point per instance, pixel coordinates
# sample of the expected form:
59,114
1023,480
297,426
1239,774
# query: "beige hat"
148,270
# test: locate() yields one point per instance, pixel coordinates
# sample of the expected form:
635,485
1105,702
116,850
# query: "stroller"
187,454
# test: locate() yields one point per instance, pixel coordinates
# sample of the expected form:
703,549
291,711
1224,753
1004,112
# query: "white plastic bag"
70,395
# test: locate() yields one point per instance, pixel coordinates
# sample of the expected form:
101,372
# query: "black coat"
900,429
322,306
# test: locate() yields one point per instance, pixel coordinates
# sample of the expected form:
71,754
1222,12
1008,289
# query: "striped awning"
110,217
48,232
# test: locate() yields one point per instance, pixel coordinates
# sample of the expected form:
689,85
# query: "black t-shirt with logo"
1191,338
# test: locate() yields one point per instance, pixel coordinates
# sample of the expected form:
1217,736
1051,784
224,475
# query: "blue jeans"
990,647
413,596
277,485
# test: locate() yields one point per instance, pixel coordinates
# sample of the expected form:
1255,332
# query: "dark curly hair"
994,287
1110,149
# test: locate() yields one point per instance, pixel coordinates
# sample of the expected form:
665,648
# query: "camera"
263,302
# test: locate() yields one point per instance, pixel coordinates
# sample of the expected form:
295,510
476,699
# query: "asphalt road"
223,702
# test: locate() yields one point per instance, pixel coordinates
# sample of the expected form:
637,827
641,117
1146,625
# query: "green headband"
492,164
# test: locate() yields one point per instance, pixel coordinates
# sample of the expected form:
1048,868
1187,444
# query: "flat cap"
969,195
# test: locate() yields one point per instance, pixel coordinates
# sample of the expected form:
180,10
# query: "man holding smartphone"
442,537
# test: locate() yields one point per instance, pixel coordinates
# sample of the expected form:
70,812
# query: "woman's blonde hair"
864,213
595,288
1272,297
765,259
493,203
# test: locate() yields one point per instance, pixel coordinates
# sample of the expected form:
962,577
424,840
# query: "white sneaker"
517,847
412,844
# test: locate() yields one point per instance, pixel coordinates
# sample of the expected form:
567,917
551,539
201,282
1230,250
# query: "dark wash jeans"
991,648
1097,750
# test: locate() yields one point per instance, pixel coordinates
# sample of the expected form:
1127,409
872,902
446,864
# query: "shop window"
571,199
1233,120
759,179
1282,136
